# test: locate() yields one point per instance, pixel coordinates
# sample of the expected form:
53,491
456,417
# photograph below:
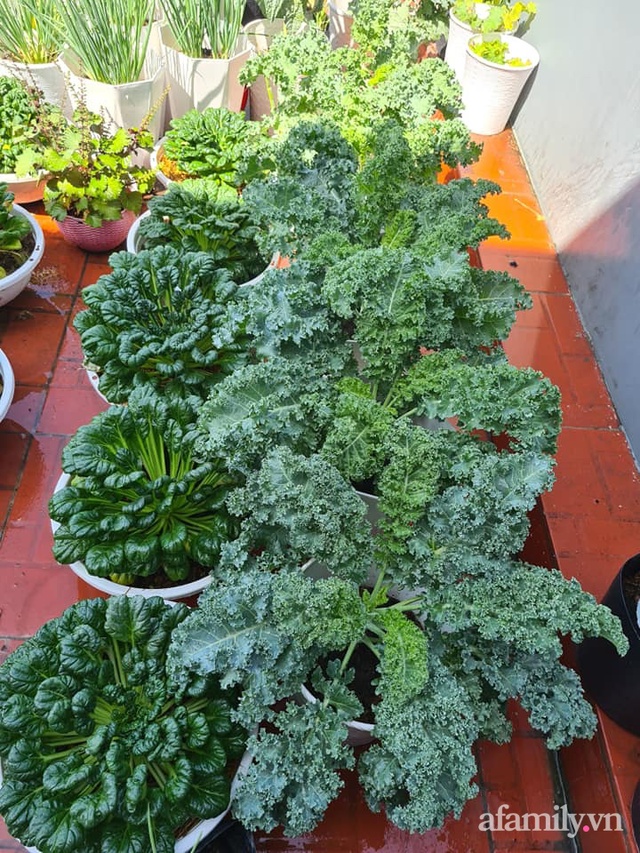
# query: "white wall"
579,132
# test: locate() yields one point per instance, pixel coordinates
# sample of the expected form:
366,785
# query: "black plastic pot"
612,681
228,837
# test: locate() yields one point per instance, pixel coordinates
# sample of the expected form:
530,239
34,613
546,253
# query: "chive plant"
109,38
29,31
201,27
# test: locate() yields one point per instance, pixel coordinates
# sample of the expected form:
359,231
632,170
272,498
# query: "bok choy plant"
138,504
101,749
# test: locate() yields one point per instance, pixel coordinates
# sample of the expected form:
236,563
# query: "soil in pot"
364,662
159,580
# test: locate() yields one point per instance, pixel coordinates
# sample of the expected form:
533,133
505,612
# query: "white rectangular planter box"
201,83
123,104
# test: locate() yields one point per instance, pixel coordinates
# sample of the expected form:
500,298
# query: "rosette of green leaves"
203,216
164,319
23,113
13,231
217,144
138,504
101,750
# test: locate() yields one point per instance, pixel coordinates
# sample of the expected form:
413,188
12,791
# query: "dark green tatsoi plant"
203,216
14,231
447,659
102,751
162,319
138,505
217,144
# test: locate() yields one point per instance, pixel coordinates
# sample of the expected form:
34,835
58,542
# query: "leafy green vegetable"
14,230
162,319
446,673
22,111
217,144
138,504
96,739
204,217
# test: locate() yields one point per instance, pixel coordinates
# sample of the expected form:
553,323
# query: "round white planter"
458,39
8,385
14,283
48,77
489,90
171,593
25,190
358,733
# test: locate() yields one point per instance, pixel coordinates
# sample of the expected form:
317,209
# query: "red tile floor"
587,525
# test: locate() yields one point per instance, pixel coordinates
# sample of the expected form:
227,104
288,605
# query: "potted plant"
467,17
134,508
109,63
31,38
93,190
7,385
204,216
162,319
25,121
205,51
497,68
21,246
101,746
216,144
394,31
433,669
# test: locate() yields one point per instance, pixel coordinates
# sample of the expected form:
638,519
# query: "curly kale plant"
294,509
217,144
309,192
442,680
200,216
163,319
101,749
138,504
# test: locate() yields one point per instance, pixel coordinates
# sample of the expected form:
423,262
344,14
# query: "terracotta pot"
103,239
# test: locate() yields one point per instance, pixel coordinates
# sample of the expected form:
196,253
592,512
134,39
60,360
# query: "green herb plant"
205,28
90,171
504,15
110,40
25,121
30,31
497,51
101,749
14,231
165,320
138,505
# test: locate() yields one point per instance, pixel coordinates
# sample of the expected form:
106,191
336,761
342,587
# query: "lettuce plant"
138,504
14,231
101,749
442,680
162,319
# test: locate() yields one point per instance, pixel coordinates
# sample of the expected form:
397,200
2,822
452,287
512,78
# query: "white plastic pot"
490,90
171,593
155,155
123,104
8,385
340,23
458,39
201,83
48,77
25,190
14,283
